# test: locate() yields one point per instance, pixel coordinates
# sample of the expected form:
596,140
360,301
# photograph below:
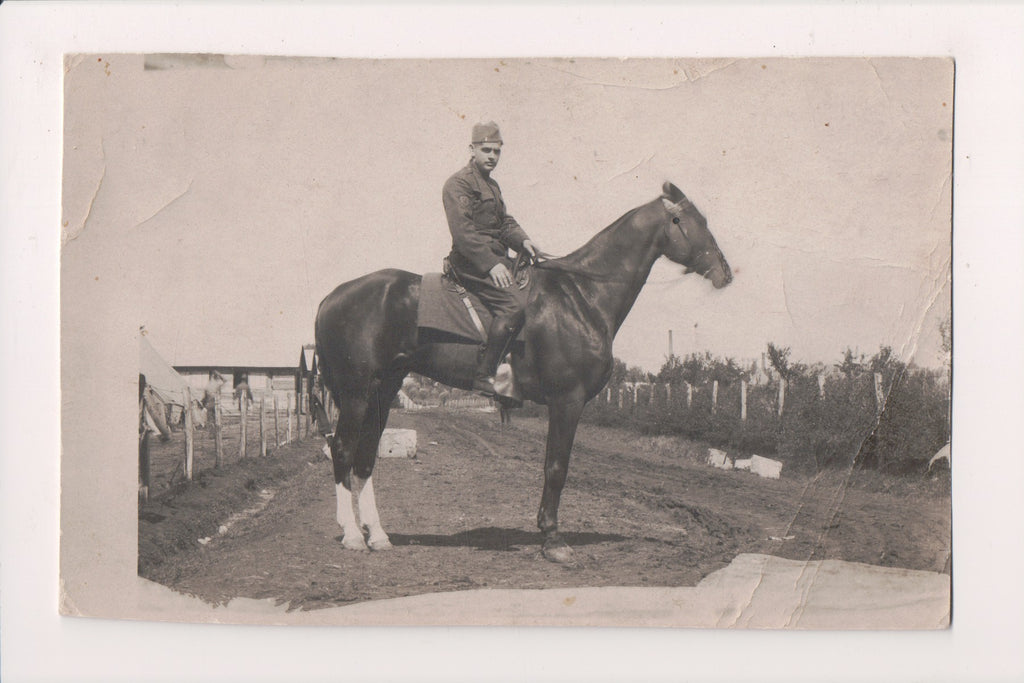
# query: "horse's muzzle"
721,275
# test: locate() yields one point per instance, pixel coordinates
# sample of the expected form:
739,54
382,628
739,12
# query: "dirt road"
639,511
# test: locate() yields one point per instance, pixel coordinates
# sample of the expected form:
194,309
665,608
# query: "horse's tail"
316,406
316,381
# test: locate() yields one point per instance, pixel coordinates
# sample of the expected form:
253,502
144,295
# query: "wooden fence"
233,430
626,396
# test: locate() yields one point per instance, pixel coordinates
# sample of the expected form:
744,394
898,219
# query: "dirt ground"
639,511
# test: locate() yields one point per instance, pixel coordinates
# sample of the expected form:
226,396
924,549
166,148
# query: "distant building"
264,379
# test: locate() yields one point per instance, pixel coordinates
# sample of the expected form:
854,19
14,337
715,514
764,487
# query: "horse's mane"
581,261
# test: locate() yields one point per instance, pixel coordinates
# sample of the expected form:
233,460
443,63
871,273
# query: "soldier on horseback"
482,233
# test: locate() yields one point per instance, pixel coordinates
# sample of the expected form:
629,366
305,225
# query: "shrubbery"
830,416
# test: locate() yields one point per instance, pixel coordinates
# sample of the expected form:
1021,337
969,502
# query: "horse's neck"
611,269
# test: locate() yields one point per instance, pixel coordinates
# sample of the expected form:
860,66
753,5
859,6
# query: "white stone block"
719,459
765,467
397,443
742,464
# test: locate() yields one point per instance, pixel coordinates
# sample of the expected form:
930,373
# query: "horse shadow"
496,538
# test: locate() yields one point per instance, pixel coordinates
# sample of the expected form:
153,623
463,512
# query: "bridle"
676,209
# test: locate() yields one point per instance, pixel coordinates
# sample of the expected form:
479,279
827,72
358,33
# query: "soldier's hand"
500,276
530,248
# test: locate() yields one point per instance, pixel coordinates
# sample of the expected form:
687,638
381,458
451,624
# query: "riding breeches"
502,303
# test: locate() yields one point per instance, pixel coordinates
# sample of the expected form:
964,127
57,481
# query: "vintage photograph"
562,342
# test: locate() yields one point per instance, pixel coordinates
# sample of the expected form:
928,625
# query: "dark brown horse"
367,341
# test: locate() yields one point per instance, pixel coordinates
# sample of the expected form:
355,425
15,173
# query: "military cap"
486,132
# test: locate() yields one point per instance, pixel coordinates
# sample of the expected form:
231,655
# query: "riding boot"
501,333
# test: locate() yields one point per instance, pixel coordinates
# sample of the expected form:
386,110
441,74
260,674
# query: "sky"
216,200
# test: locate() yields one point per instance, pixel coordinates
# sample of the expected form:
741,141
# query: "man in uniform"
482,233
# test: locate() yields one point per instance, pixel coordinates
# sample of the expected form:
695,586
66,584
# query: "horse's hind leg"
362,482
354,453
351,414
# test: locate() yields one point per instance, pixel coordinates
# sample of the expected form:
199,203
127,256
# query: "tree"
887,364
726,372
635,373
851,365
671,371
779,358
696,367
618,372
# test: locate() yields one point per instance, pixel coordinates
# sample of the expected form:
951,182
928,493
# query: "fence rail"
653,393
200,440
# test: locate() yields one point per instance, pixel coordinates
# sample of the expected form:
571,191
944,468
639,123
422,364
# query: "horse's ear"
672,193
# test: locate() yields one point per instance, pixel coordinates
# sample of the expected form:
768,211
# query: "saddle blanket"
442,308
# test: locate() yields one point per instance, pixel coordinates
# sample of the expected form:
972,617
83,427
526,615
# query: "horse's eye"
676,220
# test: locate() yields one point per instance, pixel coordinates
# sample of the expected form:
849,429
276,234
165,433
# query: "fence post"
242,414
879,393
288,416
619,397
144,460
714,397
307,421
608,395
782,394
189,446
668,393
144,465
263,433
277,430
218,438
821,386
743,400
689,395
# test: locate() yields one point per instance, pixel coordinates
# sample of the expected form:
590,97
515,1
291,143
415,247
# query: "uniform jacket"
481,229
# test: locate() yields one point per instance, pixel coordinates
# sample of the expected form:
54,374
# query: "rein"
552,265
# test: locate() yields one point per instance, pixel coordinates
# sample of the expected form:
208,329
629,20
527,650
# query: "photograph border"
980,645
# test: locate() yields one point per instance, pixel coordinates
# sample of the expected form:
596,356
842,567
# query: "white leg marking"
370,517
353,534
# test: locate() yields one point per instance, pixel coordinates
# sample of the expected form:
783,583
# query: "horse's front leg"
366,503
563,418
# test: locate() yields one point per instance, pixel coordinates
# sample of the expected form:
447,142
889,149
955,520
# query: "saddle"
449,311
448,307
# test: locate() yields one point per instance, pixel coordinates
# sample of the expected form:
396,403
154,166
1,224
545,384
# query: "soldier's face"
486,155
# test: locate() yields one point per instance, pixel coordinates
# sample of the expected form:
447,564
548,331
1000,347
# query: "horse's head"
688,241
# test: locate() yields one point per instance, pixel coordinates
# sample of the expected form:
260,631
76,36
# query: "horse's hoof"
357,544
559,552
381,544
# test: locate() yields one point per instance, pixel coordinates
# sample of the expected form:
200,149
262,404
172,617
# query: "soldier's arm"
512,235
468,241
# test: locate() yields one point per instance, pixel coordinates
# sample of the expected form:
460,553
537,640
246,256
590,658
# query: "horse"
367,340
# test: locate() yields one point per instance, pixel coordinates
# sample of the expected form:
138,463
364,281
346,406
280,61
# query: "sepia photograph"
691,335
450,343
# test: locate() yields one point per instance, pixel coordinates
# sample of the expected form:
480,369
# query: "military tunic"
482,232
